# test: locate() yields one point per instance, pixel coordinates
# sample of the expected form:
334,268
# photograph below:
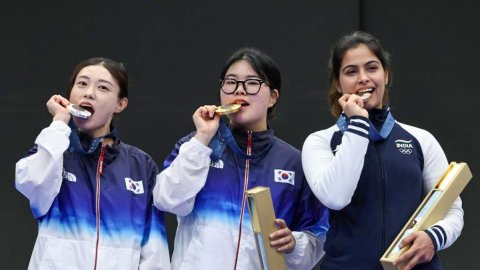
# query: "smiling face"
253,114
362,72
96,90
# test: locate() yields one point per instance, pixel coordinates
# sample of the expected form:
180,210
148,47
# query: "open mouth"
88,107
242,102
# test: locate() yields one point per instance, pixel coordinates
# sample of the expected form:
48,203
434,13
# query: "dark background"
174,51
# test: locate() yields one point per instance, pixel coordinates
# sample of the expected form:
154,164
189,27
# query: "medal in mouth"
365,93
228,109
78,111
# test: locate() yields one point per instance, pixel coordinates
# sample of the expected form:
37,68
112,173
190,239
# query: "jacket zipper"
244,195
97,201
383,199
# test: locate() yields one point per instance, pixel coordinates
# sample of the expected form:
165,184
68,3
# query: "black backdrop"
174,51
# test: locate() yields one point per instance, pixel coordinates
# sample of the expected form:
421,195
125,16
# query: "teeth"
366,90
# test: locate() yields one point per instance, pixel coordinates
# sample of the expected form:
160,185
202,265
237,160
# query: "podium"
263,222
432,209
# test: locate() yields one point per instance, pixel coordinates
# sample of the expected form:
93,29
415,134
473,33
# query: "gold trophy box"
432,209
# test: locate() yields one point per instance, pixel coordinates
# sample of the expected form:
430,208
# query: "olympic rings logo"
405,151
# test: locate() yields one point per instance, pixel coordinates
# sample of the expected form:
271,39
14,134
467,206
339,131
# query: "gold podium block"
262,215
432,209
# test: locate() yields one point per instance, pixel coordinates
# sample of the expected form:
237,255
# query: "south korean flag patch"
282,176
134,186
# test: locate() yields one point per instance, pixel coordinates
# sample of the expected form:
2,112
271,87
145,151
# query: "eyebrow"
88,78
248,76
105,81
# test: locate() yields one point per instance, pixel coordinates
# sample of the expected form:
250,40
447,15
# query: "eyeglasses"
251,86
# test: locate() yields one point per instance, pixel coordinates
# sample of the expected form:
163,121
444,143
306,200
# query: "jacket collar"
381,123
236,140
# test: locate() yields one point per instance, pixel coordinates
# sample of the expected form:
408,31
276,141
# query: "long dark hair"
337,53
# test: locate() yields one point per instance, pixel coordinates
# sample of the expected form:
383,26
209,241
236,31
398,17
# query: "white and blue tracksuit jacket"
61,187
205,190
373,174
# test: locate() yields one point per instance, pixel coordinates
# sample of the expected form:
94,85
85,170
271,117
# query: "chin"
84,126
80,122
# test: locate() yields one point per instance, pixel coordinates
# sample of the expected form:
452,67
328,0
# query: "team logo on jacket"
217,164
405,147
69,176
134,186
282,176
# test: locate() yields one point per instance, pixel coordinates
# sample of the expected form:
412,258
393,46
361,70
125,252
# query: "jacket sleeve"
329,179
445,232
39,175
309,227
307,253
184,175
154,251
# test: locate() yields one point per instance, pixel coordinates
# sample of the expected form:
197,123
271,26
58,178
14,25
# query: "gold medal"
228,109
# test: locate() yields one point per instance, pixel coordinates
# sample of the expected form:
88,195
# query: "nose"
89,92
240,90
363,76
